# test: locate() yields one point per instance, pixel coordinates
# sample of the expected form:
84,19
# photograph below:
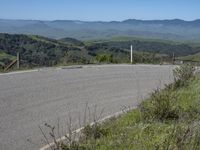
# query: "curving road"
30,99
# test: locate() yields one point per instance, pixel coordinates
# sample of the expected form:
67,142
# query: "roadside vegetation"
168,120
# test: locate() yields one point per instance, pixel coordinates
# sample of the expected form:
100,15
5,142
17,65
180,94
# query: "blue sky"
99,10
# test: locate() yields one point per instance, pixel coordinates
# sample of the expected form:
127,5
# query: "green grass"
139,129
4,56
126,38
43,39
132,38
195,57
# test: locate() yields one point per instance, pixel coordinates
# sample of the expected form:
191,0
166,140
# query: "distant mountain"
83,30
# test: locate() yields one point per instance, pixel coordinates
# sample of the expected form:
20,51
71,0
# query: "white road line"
18,72
47,147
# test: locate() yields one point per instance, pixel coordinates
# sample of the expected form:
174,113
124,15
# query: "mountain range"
175,29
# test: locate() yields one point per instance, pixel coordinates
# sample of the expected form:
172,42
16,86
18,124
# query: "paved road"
30,99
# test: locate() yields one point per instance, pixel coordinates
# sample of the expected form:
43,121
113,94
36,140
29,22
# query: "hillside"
71,41
5,58
148,45
41,51
195,57
163,29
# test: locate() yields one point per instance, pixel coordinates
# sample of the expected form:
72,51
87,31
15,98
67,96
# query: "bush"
182,74
160,107
73,146
106,58
95,132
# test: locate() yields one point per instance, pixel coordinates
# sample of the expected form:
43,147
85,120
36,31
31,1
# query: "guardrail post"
131,54
173,59
18,60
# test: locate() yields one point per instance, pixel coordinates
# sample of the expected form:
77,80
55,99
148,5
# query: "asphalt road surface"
31,99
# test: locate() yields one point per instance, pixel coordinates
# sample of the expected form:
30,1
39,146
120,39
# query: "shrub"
74,146
94,131
106,58
160,107
182,74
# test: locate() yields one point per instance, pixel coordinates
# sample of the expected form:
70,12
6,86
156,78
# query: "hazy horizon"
93,10
100,20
